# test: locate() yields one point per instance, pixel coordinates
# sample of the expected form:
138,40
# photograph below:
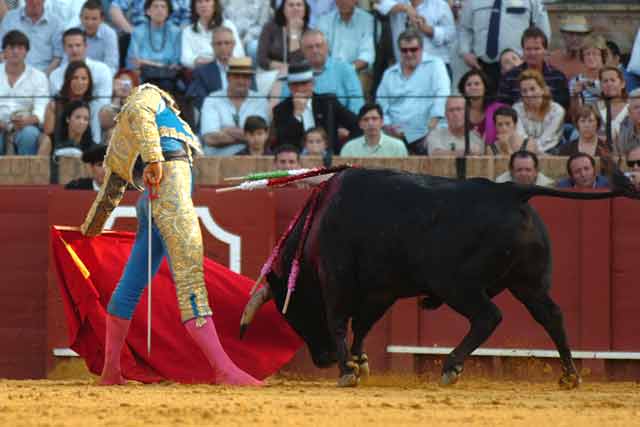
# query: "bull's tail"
526,192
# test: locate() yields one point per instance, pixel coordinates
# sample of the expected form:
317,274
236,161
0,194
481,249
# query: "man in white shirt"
75,48
24,93
524,169
67,11
224,112
432,19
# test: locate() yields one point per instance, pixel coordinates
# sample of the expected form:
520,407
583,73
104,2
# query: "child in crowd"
508,141
256,132
509,59
315,142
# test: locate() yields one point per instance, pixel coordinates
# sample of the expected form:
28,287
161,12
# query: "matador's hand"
152,175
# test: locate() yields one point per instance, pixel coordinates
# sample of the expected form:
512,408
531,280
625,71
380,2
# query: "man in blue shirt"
348,31
43,30
581,168
330,75
413,93
134,9
102,41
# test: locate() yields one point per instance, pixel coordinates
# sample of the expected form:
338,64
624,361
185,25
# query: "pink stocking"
225,370
116,333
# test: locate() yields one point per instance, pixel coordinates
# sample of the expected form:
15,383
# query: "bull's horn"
257,300
255,285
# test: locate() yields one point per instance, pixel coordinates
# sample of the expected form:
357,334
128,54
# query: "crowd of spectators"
458,77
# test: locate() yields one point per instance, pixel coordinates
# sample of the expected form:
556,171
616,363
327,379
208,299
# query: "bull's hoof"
569,381
348,380
361,366
451,376
364,371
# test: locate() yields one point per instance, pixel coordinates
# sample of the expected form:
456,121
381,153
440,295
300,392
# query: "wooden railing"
30,170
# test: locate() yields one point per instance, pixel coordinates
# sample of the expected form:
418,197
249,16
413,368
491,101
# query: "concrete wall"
617,21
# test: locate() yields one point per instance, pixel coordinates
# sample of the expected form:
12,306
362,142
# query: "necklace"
164,38
589,147
533,128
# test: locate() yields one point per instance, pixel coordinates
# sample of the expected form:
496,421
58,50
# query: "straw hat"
241,65
575,24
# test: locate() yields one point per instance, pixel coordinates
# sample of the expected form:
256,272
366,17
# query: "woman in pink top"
473,85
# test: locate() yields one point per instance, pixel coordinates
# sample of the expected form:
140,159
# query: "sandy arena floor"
383,401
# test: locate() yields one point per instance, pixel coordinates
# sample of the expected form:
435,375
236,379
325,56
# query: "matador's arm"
108,198
137,132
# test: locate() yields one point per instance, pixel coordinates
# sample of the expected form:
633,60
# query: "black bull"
380,235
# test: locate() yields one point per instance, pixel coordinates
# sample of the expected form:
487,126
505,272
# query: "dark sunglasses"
409,49
633,163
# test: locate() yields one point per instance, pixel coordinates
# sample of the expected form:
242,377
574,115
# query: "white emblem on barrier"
233,240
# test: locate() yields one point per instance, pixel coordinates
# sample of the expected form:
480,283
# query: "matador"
149,127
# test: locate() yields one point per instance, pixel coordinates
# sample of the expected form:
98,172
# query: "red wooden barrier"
595,248
23,262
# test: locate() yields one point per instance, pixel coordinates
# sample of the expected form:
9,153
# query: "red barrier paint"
595,250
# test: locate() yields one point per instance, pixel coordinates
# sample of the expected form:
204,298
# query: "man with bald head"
524,169
331,75
450,140
212,77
